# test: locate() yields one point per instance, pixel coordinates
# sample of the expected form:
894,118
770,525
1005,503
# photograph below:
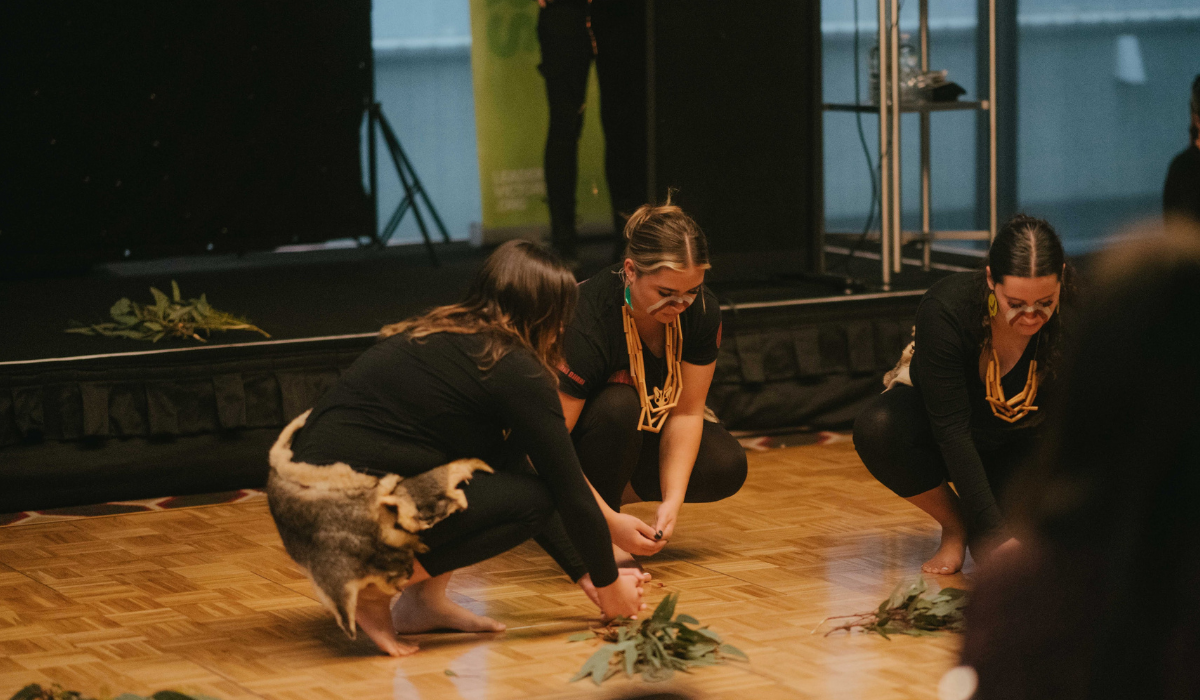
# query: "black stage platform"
91,419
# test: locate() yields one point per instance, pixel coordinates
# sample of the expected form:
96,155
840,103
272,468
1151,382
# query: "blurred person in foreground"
1100,600
1181,192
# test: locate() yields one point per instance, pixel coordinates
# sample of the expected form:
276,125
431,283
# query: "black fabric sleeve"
557,543
584,367
1172,190
943,385
553,538
702,334
1181,191
529,403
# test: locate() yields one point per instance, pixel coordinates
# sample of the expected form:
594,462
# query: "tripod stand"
408,180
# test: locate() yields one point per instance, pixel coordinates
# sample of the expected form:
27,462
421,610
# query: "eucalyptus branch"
911,610
166,317
656,647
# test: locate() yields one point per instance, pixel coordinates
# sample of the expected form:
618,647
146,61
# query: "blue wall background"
1093,148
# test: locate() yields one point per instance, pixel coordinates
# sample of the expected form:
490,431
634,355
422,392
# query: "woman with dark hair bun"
1099,601
965,404
416,463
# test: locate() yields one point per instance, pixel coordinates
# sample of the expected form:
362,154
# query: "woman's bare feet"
424,607
374,617
625,560
950,554
942,503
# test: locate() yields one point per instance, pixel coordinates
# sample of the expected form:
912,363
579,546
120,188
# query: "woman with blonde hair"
402,472
638,359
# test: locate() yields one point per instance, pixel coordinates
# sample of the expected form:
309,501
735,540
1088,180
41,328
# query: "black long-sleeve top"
1181,191
945,369
407,406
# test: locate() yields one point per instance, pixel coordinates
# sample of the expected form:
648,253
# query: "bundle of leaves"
166,317
656,647
33,691
911,609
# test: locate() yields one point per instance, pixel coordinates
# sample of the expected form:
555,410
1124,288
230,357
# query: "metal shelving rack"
891,234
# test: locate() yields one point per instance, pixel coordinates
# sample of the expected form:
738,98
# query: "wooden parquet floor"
205,600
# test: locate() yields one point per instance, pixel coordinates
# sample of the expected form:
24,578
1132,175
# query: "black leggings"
895,440
613,452
503,510
619,27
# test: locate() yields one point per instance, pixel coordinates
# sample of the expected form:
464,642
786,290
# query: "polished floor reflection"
204,600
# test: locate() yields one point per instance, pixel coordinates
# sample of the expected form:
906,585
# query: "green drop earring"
628,300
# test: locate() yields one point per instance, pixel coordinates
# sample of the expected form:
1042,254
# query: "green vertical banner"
511,118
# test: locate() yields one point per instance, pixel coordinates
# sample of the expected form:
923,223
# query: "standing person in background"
638,360
573,33
1181,192
969,407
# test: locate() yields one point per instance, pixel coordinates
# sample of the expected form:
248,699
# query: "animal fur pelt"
349,529
900,373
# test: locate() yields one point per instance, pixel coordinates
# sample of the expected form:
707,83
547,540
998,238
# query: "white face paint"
1045,309
684,301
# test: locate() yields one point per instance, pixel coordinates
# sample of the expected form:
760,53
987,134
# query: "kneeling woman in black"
638,361
471,381
969,407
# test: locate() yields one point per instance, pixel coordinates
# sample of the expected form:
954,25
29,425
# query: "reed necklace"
1019,406
657,406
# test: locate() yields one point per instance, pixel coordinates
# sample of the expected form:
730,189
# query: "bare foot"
950,555
625,560
374,618
417,611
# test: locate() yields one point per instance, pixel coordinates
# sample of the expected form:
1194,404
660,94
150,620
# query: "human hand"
621,598
634,536
589,589
664,521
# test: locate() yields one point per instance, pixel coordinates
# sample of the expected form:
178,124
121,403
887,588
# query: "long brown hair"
523,297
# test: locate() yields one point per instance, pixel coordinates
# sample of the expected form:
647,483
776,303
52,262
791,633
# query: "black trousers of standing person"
895,440
613,452
619,30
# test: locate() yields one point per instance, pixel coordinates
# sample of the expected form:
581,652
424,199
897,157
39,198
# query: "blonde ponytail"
662,235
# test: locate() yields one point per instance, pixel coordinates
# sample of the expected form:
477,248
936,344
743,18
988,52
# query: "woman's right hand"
622,598
633,535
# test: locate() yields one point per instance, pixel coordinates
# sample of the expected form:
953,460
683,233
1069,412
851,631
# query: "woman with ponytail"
967,408
638,359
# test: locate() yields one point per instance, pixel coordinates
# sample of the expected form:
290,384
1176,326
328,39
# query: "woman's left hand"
664,521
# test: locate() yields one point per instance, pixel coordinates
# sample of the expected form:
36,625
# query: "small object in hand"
658,535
